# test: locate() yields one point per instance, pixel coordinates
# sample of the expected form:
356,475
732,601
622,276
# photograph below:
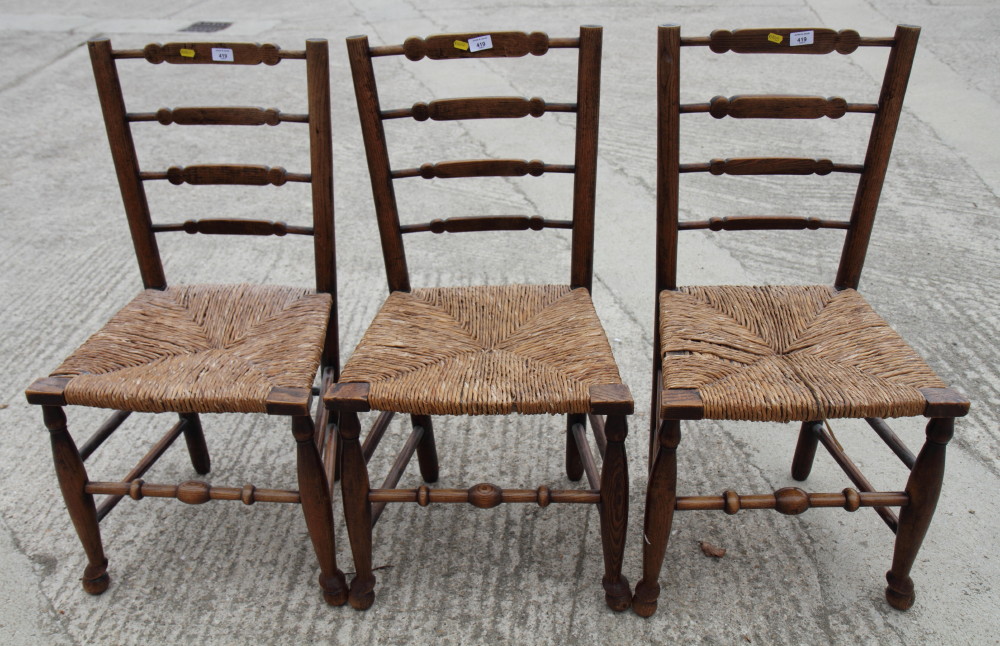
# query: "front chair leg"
661,497
194,436
924,488
427,457
357,511
314,493
614,513
72,479
805,449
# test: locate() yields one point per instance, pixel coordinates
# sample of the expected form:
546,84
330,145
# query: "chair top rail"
794,40
497,44
203,53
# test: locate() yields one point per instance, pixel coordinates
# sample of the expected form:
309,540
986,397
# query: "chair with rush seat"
483,350
208,348
782,353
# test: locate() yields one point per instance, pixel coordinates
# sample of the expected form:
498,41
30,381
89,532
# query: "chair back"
871,171
481,45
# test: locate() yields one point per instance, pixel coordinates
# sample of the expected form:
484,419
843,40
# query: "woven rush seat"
783,353
201,348
487,350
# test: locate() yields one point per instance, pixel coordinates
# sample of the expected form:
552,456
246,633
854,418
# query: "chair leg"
72,479
574,461
614,513
923,487
661,496
195,438
314,492
357,511
805,449
426,449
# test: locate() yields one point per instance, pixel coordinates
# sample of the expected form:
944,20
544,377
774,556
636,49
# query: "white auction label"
800,38
480,43
222,54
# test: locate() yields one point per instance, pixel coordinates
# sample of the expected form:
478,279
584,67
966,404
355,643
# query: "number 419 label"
480,43
800,38
222,55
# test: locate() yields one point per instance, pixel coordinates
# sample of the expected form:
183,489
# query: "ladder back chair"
207,348
787,353
483,350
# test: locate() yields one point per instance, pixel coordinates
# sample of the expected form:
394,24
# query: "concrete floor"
229,574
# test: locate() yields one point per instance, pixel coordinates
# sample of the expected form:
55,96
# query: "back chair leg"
314,492
661,496
574,460
357,511
805,449
426,449
924,488
614,513
72,479
195,438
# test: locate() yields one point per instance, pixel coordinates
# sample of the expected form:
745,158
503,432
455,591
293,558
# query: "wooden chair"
194,349
782,353
489,350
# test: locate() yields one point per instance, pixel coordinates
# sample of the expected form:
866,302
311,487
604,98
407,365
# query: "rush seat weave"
783,353
201,348
487,350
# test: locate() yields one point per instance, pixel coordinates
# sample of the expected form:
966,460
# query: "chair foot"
617,594
362,592
334,588
645,600
96,579
899,593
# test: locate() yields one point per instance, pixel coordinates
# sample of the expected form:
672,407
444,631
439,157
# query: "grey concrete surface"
228,574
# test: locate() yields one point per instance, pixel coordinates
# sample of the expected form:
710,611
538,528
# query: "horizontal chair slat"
504,44
212,116
223,226
781,41
227,174
487,223
770,166
494,107
201,53
761,223
482,168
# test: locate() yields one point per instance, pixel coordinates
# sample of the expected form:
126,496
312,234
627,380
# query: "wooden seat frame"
919,497
314,495
609,403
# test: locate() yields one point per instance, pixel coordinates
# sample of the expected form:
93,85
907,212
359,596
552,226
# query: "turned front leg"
314,493
614,513
357,511
924,488
661,497
72,479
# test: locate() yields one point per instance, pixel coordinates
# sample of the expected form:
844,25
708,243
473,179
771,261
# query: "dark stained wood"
542,496
597,426
944,402
318,510
680,404
614,514
897,75
574,455
289,401
762,222
357,511
805,449
221,226
109,426
366,93
73,478
661,494
47,391
245,174
768,166
853,473
375,434
398,466
923,488
588,100
126,164
200,53
579,432
792,500
506,44
227,116
348,396
482,168
487,223
139,489
194,437
143,465
892,440
427,458
490,107
777,41
775,106
667,146
611,399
